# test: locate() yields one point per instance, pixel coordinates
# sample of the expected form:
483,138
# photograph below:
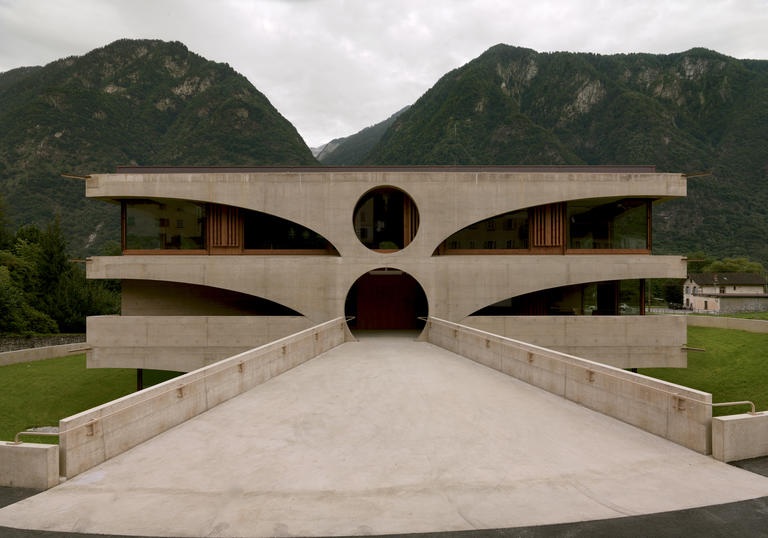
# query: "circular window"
386,219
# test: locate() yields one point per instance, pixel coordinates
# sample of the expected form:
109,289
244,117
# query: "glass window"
610,298
386,219
621,224
148,225
508,231
630,297
267,232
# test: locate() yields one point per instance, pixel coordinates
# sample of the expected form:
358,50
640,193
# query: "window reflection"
508,231
170,225
386,219
267,232
609,298
616,225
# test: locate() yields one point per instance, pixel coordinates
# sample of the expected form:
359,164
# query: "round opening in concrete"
386,219
386,298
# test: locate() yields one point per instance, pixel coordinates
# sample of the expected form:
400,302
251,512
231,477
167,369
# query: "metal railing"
30,433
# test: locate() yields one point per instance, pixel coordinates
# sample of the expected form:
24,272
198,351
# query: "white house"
725,292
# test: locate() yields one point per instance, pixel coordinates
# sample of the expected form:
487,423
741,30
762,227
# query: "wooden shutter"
410,221
225,226
547,225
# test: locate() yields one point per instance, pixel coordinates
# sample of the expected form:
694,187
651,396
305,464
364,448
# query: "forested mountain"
352,150
132,102
156,103
696,111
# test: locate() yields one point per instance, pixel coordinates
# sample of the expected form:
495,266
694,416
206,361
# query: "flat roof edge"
607,169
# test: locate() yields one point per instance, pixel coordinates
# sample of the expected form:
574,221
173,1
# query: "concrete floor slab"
385,435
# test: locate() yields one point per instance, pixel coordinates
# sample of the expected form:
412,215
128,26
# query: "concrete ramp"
384,435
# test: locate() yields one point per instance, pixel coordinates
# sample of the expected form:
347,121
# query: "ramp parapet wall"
98,434
740,437
677,413
29,465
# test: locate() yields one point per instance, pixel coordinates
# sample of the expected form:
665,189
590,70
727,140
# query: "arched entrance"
386,299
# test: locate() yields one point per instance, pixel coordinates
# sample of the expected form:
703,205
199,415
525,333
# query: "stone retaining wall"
12,343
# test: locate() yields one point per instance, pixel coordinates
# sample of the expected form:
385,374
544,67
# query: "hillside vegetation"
133,102
696,111
352,150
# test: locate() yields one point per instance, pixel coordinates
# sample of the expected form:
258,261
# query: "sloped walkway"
385,435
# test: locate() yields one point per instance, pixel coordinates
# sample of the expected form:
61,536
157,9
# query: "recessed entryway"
386,299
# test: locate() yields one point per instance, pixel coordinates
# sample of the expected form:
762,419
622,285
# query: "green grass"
42,392
742,315
734,367
750,315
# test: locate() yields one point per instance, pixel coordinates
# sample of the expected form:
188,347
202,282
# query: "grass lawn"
742,315
734,367
42,392
751,315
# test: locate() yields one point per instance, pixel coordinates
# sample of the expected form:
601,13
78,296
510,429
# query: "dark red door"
387,301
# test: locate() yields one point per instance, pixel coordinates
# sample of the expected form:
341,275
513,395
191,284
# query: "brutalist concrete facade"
317,286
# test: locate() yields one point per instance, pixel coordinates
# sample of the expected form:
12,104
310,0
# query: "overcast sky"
333,67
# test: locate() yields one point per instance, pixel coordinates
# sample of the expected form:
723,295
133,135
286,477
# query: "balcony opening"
608,298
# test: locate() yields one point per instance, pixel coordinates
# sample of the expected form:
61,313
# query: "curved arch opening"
164,298
386,299
589,225
386,219
184,226
605,298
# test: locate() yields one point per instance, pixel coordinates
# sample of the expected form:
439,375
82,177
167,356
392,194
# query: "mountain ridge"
132,102
693,111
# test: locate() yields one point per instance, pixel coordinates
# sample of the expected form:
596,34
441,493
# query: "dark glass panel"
610,298
508,231
170,224
379,219
622,224
630,297
267,232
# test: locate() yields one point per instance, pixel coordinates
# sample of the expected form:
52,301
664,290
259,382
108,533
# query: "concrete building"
218,260
725,293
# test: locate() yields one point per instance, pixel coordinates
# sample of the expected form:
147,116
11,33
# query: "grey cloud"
333,67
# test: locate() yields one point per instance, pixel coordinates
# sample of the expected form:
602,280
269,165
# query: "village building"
725,293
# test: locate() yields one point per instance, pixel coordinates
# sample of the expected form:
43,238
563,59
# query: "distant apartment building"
725,293
219,260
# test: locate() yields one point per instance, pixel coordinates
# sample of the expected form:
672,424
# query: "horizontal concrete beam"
180,343
740,437
723,322
674,412
40,353
29,465
98,434
620,341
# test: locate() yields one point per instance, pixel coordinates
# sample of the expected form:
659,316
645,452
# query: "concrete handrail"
678,413
95,435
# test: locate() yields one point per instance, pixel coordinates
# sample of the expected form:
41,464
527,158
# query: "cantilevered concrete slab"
385,435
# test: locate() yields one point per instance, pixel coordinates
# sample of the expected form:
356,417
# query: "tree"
52,260
734,265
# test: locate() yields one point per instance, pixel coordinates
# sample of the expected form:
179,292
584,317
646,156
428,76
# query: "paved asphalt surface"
739,519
